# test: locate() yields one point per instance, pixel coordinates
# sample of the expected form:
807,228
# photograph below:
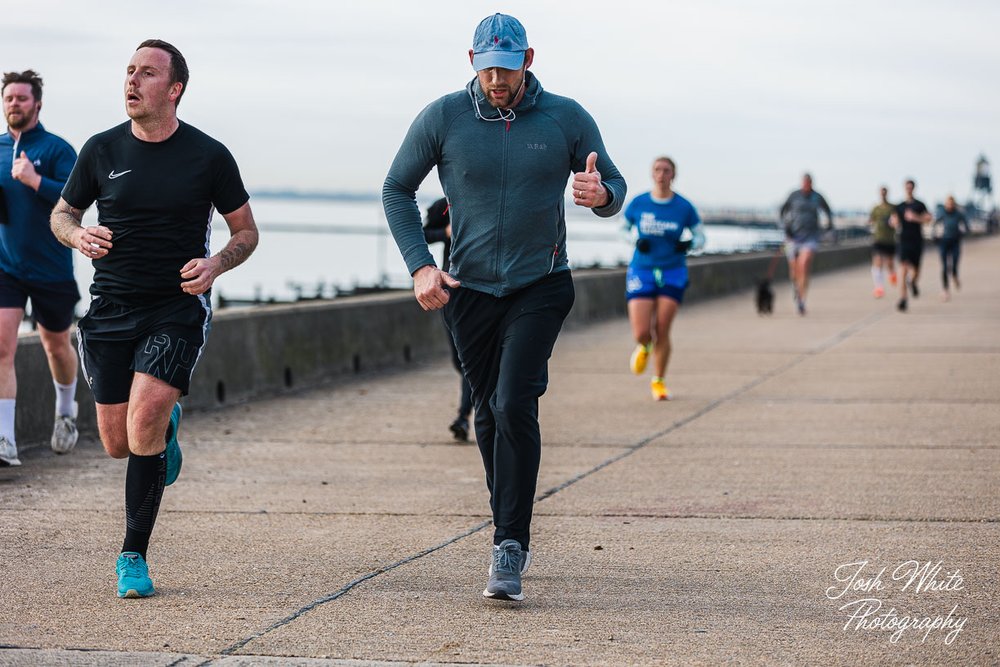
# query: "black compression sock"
144,482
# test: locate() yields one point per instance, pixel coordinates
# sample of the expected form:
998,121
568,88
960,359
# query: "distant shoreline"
747,217
317,195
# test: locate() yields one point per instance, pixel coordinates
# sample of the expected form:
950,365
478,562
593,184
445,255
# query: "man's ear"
529,57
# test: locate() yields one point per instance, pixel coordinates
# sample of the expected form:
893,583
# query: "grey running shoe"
505,572
64,433
8,453
525,564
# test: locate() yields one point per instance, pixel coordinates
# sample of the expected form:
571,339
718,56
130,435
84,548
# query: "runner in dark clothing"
909,218
503,148
156,181
437,229
953,225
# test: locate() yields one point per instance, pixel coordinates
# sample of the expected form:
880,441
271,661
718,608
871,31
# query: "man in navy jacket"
34,166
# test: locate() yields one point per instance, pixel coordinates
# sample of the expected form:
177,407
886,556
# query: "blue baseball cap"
500,41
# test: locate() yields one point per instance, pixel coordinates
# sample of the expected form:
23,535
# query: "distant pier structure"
982,186
981,202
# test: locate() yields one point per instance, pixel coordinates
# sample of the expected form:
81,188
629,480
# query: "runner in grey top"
801,210
504,173
800,216
504,149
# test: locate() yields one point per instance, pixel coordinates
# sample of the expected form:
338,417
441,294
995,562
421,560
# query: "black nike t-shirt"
157,199
910,232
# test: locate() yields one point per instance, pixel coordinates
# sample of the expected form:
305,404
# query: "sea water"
311,248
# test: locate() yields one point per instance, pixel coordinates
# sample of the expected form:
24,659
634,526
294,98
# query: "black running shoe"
460,429
901,306
914,289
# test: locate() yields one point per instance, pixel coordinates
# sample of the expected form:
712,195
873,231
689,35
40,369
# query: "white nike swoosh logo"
113,175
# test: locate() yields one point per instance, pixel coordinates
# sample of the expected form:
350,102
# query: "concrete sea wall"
268,350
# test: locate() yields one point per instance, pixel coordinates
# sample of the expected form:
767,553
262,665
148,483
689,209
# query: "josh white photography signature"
863,588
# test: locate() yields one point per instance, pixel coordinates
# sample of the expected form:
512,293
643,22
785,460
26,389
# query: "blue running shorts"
643,283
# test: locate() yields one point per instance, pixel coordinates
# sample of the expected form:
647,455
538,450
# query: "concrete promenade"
342,526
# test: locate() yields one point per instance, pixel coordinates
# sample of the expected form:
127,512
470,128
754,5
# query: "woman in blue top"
657,275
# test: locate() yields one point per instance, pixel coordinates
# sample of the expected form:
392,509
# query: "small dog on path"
765,297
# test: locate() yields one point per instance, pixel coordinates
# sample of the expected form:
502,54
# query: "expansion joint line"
229,650
631,449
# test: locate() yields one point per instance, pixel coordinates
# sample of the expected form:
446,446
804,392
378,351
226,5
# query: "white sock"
878,277
7,418
65,393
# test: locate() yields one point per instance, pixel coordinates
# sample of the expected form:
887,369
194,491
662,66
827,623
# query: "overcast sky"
744,95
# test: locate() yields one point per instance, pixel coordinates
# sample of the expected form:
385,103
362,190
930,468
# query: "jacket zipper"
503,203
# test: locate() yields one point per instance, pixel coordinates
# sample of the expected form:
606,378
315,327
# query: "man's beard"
502,104
509,100
20,121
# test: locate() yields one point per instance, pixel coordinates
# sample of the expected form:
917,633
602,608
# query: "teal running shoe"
133,576
174,456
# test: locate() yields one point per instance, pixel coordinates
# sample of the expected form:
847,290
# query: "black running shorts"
164,340
52,304
884,249
910,251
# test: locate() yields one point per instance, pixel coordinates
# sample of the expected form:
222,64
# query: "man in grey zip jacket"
504,149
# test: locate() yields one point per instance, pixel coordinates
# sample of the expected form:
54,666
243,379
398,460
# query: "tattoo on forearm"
237,250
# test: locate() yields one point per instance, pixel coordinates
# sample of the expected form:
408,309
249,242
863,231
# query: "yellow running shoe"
639,357
659,390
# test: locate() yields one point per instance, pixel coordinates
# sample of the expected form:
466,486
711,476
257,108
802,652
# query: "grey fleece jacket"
505,181
800,213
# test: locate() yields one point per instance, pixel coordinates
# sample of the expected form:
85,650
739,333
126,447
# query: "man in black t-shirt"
909,218
156,181
437,229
